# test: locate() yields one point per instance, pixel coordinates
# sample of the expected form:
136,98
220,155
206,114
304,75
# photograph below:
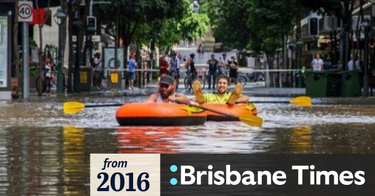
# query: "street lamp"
59,18
76,24
278,50
366,25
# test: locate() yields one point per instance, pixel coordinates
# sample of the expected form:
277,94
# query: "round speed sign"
25,11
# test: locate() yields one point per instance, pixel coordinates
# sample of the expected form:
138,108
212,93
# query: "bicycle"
250,77
240,77
175,74
202,77
188,81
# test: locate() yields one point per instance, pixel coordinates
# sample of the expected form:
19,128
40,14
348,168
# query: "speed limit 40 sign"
25,11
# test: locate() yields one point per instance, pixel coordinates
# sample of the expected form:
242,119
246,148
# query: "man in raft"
222,95
167,92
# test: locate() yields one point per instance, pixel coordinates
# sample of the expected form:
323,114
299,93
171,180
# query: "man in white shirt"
223,64
317,63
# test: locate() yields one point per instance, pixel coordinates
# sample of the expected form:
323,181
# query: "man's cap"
224,54
166,79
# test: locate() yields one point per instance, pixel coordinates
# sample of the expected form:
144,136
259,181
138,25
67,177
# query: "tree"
193,25
136,13
230,25
16,50
40,50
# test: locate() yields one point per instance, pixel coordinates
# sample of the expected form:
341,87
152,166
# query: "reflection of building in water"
75,170
5,161
147,139
300,139
32,160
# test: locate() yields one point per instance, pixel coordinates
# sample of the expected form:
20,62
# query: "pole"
285,57
77,64
25,57
343,58
366,55
89,38
60,86
91,4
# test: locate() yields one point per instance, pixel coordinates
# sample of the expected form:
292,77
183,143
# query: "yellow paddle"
251,120
74,107
303,101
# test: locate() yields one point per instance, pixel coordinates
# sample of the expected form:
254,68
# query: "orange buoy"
159,114
235,110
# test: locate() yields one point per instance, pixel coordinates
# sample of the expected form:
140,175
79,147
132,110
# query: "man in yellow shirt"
222,95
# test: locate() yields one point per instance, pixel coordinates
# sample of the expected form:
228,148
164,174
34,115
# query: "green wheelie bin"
351,84
323,83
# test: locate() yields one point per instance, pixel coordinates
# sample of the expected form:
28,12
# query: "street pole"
25,61
60,85
59,18
366,56
285,56
77,24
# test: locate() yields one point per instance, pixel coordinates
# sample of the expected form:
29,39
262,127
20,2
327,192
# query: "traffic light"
91,25
314,26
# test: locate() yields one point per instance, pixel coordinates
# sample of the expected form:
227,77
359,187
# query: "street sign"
25,11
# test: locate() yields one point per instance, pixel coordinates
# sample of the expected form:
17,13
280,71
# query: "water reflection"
148,139
75,169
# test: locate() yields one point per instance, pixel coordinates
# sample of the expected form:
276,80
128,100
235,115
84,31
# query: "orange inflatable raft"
235,110
159,114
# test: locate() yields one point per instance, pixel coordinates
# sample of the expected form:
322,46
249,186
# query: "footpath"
151,88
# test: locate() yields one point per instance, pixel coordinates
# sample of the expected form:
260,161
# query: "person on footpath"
166,92
163,65
98,70
175,68
317,63
233,67
212,69
191,69
222,95
131,71
354,64
327,64
223,64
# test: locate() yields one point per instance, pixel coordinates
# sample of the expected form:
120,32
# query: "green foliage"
270,21
135,14
51,46
253,24
193,25
164,21
32,43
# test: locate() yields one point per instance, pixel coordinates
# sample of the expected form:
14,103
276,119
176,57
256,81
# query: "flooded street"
48,153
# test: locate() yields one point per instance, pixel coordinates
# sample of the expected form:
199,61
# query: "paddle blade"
303,101
252,120
73,107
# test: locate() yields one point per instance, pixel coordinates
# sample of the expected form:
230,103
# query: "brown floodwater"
44,152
